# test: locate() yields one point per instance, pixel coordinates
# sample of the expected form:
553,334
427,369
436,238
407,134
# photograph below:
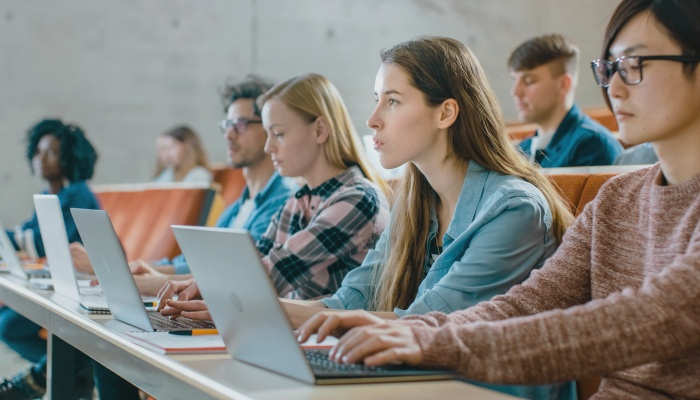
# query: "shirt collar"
327,188
472,190
272,184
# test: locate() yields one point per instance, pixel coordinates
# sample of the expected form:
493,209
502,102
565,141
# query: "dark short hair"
679,18
544,49
78,156
251,87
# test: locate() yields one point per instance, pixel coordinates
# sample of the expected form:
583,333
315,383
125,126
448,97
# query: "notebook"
166,343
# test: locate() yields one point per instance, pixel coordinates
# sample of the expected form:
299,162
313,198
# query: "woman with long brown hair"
472,216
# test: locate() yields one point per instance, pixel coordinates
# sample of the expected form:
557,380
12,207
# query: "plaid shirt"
322,233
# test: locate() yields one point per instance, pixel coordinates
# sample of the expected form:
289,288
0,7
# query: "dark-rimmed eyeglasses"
629,67
239,126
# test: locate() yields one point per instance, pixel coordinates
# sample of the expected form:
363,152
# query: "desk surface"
212,376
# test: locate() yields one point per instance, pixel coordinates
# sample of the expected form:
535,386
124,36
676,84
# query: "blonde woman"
327,227
472,216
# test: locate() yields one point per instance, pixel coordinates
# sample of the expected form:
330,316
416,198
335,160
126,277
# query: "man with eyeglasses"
630,69
265,191
544,70
264,194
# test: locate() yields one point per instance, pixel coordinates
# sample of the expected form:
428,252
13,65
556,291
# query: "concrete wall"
127,70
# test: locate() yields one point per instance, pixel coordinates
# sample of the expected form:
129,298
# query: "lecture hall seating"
142,215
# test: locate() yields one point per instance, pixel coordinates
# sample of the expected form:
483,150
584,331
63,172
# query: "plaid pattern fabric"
321,234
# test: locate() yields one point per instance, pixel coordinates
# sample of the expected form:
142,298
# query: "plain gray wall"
127,70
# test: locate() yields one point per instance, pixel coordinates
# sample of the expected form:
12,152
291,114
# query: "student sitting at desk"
545,73
620,296
328,226
65,159
472,217
263,196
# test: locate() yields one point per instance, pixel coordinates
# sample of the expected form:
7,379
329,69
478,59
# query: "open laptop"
108,259
12,263
244,305
58,258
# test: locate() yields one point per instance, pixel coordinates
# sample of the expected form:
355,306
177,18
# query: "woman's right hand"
335,323
184,290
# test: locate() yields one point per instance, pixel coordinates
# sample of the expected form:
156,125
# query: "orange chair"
232,182
604,117
142,217
579,190
570,186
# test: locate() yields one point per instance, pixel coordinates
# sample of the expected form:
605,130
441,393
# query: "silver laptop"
243,302
12,263
60,263
108,259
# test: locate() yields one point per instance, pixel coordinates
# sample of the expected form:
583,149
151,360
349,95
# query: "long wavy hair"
444,68
313,96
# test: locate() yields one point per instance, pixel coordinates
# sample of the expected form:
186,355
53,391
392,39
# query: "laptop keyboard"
161,322
323,366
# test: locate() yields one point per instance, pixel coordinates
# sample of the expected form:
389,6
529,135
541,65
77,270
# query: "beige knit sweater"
619,298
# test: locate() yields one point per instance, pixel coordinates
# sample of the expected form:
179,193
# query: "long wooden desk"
215,376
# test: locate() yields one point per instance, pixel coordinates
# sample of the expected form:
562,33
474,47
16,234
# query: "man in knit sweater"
620,296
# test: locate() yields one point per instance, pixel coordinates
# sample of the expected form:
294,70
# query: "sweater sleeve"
599,337
563,281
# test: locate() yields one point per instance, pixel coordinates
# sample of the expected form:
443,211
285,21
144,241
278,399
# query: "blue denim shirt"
500,230
578,141
266,204
75,195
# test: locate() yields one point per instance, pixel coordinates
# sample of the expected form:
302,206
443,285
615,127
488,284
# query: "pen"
195,332
150,303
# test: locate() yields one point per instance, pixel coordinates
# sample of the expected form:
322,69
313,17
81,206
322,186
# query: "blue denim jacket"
578,141
267,203
500,231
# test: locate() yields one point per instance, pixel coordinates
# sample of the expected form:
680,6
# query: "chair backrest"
142,216
570,187
231,180
604,117
579,189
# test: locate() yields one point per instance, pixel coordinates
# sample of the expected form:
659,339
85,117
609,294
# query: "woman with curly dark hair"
65,159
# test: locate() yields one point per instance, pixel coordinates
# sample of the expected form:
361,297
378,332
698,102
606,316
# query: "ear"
448,112
566,83
321,129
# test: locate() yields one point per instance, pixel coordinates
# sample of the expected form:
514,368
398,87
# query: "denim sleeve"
356,289
507,245
180,265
